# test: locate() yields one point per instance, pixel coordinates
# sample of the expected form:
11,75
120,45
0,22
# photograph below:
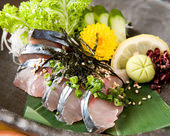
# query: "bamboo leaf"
152,114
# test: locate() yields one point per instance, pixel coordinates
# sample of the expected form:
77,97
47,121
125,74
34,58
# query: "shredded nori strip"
79,62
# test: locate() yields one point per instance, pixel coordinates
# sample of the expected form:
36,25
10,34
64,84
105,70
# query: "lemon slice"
137,44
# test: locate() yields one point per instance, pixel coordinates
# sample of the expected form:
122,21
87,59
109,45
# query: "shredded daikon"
14,43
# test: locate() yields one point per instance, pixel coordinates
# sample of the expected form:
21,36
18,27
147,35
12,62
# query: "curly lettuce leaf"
44,14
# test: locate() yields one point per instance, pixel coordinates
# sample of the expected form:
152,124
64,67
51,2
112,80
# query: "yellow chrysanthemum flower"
103,37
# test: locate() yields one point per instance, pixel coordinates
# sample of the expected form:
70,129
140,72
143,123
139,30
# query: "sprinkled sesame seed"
44,71
129,88
133,103
83,63
143,98
138,86
139,103
137,91
109,78
130,103
149,96
120,96
127,82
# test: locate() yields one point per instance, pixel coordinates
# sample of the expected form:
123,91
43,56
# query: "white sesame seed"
120,96
149,96
129,88
130,103
127,82
133,103
138,86
139,103
109,78
137,91
143,98
83,63
44,71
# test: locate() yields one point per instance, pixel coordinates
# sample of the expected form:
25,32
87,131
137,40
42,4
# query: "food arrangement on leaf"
77,60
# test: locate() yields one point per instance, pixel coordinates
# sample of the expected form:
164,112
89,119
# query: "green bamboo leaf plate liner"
152,114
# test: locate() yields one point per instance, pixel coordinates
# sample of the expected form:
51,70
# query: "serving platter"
151,16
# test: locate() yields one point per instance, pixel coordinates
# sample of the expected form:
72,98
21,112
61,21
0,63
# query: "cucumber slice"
101,14
118,24
89,17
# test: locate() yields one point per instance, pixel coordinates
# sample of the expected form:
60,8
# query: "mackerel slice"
33,63
85,112
35,51
62,101
69,109
48,38
98,115
52,94
29,81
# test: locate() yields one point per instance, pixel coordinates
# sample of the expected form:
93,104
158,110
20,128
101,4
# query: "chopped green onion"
74,79
102,95
53,88
46,76
52,63
117,102
78,93
48,83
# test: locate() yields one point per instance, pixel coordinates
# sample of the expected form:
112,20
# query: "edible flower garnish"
101,39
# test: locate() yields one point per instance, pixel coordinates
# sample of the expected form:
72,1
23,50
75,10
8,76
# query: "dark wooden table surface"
147,16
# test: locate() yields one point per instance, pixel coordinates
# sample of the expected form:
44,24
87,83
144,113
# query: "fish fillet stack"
98,115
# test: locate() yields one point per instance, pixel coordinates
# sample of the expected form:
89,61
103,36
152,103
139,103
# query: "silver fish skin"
49,38
51,97
90,126
33,63
29,81
35,51
62,101
99,115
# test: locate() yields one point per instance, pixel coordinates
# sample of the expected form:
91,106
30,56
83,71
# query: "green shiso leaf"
153,114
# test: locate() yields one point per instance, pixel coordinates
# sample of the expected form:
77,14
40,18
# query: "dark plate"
147,16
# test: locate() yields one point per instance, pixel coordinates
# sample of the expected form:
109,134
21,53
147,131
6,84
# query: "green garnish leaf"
44,14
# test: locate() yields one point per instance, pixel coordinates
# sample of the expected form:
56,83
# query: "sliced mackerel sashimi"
52,95
48,38
29,81
69,109
35,51
99,115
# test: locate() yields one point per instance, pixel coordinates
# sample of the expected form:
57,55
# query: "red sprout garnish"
161,63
